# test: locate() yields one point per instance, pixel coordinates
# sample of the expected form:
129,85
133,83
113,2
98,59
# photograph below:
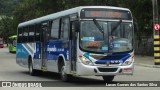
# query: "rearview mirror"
77,26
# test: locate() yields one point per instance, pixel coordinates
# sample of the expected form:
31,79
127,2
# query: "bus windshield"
14,42
116,37
1,41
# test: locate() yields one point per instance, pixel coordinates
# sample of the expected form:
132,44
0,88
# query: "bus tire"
31,70
64,77
108,78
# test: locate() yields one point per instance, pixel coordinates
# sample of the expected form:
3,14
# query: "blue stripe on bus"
21,52
38,51
55,48
52,50
122,58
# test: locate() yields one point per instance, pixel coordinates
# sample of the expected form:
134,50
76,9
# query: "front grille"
109,57
105,62
107,69
112,59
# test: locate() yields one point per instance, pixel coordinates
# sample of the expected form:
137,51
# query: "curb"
147,65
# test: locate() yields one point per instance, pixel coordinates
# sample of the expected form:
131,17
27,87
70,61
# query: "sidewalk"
147,61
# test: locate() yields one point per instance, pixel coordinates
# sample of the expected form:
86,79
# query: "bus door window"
64,34
73,46
45,32
55,29
65,28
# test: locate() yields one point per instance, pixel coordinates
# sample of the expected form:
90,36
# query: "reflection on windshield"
117,39
116,26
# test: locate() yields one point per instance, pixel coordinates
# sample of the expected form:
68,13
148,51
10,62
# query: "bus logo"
107,63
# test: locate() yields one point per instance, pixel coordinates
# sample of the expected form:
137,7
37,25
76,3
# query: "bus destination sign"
105,14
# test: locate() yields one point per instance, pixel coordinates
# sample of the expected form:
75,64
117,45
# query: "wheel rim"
30,68
63,73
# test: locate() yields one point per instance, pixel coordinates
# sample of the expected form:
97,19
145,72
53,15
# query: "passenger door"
73,38
44,41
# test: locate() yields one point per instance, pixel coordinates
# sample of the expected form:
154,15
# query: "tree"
7,6
141,9
7,27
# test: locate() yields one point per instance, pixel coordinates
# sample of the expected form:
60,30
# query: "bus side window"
37,32
55,30
25,34
31,33
20,37
65,28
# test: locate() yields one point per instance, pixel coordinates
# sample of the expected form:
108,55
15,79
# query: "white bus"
82,41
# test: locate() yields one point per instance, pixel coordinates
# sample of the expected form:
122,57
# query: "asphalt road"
10,71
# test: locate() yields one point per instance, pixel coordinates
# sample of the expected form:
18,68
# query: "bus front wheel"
64,77
108,78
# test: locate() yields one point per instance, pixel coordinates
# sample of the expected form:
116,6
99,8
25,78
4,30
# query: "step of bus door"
44,69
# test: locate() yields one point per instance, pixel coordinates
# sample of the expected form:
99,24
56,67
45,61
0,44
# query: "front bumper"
86,70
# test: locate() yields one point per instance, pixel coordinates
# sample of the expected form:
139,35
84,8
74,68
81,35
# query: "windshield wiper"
99,27
116,26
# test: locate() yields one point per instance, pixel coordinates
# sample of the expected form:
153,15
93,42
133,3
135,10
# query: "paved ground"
144,59
147,61
10,71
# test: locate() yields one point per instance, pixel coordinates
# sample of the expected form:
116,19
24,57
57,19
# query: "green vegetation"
7,6
8,25
23,10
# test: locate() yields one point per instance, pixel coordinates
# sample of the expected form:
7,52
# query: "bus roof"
14,36
64,13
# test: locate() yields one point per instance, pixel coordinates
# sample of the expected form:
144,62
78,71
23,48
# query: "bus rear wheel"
31,70
108,78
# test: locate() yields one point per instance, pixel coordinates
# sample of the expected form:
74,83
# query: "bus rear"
12,43
1,43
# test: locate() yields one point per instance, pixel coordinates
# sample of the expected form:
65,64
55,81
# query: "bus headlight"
85,60
129,61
